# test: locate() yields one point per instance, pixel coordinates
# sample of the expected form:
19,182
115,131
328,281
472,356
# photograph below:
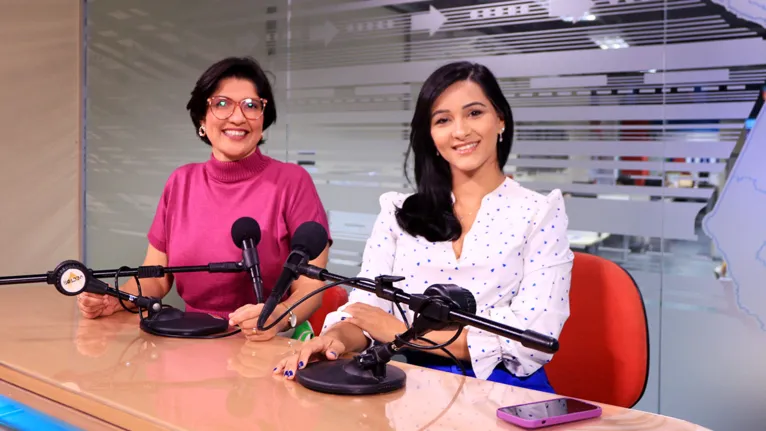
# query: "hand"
92,305
247,319
328,345
382,326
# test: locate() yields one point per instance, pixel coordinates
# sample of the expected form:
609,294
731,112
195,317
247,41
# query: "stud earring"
201,131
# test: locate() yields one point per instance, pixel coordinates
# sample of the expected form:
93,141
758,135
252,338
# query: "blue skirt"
537,381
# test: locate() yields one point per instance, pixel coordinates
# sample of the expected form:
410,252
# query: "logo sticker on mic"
73,280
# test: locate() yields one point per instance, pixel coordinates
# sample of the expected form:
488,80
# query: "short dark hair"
428,212
231,67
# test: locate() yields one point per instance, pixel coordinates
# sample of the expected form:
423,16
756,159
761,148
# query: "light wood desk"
110,374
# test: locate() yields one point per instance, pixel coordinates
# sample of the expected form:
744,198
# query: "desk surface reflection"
111,370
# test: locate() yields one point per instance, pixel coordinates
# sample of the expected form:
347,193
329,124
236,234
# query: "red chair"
604,347
332,299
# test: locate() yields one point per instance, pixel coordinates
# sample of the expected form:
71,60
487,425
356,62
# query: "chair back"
332,299
604,346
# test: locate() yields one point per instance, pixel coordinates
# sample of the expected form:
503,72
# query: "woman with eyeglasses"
231,106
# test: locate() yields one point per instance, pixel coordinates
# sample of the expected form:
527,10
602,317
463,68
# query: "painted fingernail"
342,318
275,368
300,364
287,373
333,354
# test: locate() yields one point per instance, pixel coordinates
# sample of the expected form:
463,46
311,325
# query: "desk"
109,371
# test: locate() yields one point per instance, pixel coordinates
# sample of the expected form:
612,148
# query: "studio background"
646,113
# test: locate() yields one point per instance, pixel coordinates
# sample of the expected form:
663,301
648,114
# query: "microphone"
246,234
71,278
440,307
308,242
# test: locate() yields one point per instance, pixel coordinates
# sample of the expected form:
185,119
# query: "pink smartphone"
549,412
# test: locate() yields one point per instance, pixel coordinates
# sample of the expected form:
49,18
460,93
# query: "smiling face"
237,136
465,128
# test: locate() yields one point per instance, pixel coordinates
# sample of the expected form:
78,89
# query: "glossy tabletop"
108,368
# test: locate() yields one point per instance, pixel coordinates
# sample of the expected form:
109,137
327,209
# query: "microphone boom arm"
153,271
384,289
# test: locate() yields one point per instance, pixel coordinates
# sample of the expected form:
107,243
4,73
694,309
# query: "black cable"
321,289
117,288
443,347
404,316
437,346
434,347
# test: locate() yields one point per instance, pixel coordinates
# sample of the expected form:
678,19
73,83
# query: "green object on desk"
303,332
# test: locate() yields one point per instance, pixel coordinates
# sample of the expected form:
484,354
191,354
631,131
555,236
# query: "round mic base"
345,377
171,322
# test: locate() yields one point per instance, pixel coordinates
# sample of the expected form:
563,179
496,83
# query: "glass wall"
638,111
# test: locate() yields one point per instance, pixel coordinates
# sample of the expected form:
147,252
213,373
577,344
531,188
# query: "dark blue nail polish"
275,368
289,374
300,364
342,318
286,373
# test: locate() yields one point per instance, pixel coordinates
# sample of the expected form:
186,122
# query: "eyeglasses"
222,107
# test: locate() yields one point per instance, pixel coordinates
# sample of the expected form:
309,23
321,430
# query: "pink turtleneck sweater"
200,203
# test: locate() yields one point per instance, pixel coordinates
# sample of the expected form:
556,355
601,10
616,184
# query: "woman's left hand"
381,325
247,319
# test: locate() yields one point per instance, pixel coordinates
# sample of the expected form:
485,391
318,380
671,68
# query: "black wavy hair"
428,212
231,67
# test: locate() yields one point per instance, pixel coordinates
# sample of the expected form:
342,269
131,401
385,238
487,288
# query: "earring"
437,154
201,131
500,137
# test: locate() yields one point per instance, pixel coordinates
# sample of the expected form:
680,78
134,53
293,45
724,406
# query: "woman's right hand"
92,306
323,346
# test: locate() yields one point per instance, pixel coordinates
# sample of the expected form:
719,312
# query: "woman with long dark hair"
468,224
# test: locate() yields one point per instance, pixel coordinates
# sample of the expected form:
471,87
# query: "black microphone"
308,242
246,234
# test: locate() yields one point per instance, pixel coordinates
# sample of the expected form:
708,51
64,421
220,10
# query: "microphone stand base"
345,377
172,322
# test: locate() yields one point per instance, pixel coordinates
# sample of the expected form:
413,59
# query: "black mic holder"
71,278
369,372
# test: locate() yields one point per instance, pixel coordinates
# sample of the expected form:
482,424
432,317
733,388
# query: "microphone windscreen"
311,238
463,298
245,228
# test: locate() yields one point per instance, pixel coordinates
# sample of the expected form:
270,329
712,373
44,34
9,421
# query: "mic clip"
295,261
384,287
